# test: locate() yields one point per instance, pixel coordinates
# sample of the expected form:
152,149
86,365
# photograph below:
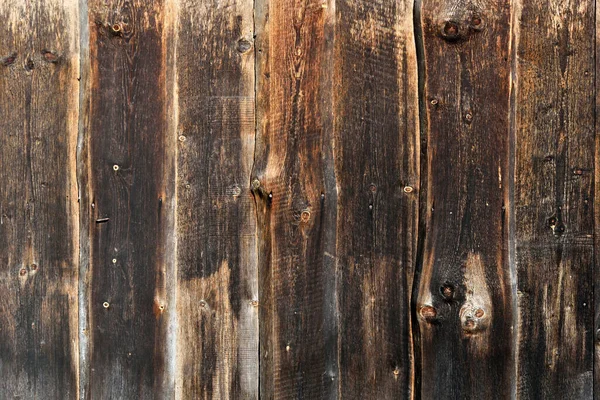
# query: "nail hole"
115,167
105,304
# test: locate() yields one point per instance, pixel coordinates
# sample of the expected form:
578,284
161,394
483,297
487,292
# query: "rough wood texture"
554,178
39,66
299,199
465,299
294,190
377,170
216,221
126,144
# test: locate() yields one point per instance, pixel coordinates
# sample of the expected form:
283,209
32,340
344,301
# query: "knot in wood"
450,30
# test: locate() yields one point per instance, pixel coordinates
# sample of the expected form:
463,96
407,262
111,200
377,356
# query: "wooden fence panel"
39,96
376,153
217,309
553,201
295,199
299,199
465,300
125,138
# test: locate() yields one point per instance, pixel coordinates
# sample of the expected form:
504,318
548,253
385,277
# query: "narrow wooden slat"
39,93
377,171
217,312
295,194
128,200
554,178
465,303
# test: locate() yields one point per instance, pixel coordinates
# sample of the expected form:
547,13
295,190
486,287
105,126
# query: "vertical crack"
423,180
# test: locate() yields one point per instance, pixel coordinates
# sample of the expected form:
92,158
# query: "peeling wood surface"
314,199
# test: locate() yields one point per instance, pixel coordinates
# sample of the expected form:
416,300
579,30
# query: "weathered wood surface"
376,152
295,196
314,199
465,300
217,346
39,66
126,143
553,199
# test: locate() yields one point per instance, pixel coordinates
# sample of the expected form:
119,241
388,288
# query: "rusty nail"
182,138
305,216
254,303
373,188
408,189
479,313
116,28
255,184
577,171
22,272
396,371
434,102
33,267
105,304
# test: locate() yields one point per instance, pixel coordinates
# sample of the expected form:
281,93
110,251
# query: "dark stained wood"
217,310
128,209
377,170
465,303
294,190
554,178
39,94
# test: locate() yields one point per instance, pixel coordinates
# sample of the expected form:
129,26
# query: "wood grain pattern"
377,171
554,178
216,220
126,145
39,66
295,197
465,299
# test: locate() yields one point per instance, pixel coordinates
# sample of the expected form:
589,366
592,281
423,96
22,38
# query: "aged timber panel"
554,178
377,171
465,300
39,94
125,136
295,195
217,308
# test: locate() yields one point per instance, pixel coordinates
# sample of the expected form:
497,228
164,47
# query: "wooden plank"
554,178
39,66
294,190
377,169
129,199
465,302
216,222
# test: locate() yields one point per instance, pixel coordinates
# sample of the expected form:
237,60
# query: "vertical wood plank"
377,170
294,190
465,301
39,93
216,220
127,190
554,178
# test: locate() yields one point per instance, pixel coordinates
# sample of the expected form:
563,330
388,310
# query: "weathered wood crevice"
422,202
